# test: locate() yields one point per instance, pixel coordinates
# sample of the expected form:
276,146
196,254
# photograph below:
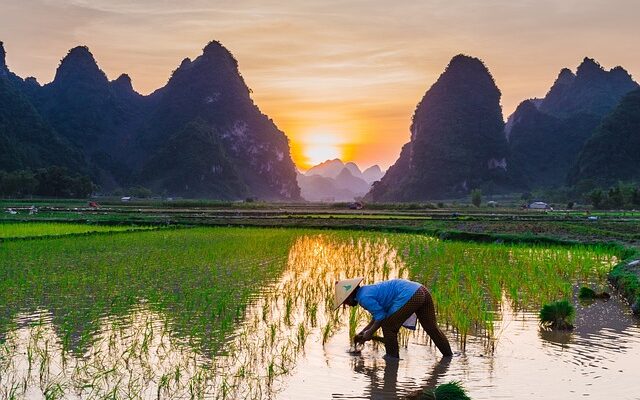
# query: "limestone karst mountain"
457,140
546,135
612,153
201,135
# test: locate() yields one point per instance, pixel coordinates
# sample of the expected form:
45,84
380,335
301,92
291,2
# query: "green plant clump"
587,293
558,315
448,391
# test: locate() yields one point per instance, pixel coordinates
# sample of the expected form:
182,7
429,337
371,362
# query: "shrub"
558,315
476,197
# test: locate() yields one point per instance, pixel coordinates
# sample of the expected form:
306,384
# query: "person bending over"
391,303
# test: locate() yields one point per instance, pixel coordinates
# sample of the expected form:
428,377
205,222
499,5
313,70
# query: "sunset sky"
340,78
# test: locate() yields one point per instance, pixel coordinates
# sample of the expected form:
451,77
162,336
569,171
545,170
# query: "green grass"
33,229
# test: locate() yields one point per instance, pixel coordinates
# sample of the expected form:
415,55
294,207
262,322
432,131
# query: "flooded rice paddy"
246,313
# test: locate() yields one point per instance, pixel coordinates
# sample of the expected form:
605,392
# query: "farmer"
391,303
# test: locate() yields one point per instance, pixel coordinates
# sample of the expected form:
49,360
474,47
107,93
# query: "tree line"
623,195
52,181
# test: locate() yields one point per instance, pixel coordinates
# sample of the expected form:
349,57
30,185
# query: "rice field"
33,229
230,312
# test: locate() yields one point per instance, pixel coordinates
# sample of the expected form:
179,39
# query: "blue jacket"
385,298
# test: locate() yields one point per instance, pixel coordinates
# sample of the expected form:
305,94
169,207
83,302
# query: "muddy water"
290,345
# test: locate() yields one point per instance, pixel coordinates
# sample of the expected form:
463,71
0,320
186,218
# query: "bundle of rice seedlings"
590,294
448,391
586,293
558,315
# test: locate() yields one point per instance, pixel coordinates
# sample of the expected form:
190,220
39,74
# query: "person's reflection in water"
388,388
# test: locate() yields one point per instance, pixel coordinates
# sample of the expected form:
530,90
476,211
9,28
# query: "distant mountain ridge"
334,180
333,168
201,135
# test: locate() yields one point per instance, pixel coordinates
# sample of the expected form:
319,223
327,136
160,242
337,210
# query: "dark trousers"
421,304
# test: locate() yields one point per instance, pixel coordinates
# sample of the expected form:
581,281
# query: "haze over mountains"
334,180
201,135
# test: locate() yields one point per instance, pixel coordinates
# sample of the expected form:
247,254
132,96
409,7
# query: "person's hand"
358,338
367,335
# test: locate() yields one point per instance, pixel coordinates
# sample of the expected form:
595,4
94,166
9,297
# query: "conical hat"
344,289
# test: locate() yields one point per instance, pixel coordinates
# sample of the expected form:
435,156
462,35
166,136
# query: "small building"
492,204
126,198
539,205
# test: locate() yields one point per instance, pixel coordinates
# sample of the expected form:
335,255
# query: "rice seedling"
34,229
558,315
302,336
224,312
326,332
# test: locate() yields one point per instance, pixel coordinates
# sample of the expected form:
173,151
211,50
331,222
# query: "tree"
476,197
596,197
526,196
635,197
616,197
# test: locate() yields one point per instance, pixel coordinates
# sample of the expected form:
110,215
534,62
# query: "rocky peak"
123,83
589,67
79,66
466,82
372,174
213,75
591,90
565,77
216,49
186,62
353,168
328,168
462,69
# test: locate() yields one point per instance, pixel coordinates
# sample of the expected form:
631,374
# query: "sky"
340,78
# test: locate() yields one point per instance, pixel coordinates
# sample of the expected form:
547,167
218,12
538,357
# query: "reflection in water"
130,357
289,343
387,386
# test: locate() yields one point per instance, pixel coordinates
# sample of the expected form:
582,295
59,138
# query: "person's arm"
377,312
359,337
374,326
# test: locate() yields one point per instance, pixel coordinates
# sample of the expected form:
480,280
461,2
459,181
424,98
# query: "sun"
318,144
318,152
